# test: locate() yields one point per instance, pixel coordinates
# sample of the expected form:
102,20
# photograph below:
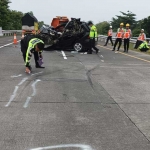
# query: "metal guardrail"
10,32
132,40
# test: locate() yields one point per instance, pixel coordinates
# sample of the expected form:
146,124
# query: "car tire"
78,47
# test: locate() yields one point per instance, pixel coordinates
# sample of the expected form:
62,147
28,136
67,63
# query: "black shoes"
37,66
113,50
97,51
105,45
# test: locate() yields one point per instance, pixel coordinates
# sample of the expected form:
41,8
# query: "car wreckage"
70,35
75,35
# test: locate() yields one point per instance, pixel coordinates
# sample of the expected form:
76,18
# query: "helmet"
90,22
121,24
110,26
127,25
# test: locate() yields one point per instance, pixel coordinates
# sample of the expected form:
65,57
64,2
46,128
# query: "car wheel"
78,47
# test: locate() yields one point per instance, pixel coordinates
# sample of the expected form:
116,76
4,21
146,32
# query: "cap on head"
90,22
110,26
142,29
121,24
127,25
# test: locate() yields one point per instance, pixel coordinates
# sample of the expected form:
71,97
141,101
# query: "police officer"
110,31
119,36
31,45
93,35
127,36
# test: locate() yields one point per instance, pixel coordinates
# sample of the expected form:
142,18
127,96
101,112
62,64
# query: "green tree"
15,22
125,18
4,14
102,27
145,24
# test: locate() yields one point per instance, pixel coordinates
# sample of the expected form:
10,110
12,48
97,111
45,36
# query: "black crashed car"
75,36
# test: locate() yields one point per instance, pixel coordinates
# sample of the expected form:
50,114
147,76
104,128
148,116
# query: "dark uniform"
27,54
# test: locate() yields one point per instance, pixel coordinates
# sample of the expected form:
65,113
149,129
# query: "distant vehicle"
29,24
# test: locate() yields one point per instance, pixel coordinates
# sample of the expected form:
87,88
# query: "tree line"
125,18
11,19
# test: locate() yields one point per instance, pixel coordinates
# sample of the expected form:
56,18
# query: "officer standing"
127,36
93,35
110,31
119,36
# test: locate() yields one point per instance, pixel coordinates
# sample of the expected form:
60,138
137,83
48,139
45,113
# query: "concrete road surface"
78,102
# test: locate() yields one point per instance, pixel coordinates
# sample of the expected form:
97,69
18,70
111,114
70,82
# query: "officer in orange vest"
110,31
127,36
141,39
119,37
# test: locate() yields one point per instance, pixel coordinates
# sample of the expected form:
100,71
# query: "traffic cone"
15,39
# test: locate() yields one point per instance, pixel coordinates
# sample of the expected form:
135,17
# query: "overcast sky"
95,10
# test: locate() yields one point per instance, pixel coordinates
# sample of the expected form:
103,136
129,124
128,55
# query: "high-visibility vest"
120,33
110,32
141,37
93,32
127,34
144,45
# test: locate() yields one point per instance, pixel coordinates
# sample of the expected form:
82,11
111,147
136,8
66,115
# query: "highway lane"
87,102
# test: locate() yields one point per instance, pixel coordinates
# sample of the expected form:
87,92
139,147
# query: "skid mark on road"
82,147
27,102
15,76
22,81
36,73
12,96
33,86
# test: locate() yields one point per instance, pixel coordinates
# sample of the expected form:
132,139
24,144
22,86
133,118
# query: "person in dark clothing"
31,45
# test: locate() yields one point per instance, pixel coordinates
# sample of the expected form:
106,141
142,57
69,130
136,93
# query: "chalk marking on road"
82,147
36,73
27,102
64,55
15,76
8,44
12,96
128,55
102,60
22,81
33,86
102,56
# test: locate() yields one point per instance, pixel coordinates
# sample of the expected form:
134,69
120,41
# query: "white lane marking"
33,86
8,44
12,96
36,73
82,147
22,81
64,55
27,102
15,76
